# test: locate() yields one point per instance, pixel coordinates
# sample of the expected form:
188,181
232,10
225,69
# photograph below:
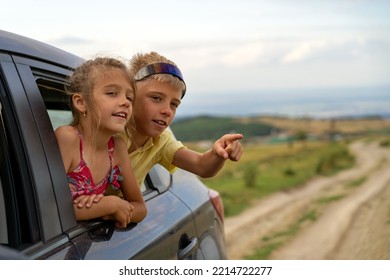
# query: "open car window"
57,103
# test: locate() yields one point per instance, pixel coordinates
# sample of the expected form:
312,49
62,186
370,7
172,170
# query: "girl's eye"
175,105
130,98
111,93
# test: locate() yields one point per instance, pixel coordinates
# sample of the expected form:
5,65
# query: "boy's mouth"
160,122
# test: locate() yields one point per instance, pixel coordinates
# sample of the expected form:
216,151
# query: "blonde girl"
95,157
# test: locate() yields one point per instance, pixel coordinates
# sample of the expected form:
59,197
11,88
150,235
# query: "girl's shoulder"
66,133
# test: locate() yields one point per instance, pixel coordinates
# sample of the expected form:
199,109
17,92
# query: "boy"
160,89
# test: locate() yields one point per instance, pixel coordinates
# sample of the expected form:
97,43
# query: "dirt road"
346,216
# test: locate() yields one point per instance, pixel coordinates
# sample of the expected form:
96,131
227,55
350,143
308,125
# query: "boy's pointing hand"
229,147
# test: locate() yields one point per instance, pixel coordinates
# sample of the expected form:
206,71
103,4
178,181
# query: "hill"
211,127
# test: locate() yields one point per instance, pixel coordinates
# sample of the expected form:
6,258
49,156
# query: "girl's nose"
125,102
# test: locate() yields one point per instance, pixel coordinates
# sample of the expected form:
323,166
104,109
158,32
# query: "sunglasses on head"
160,68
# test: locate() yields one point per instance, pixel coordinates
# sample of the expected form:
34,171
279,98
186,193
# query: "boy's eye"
175,105
111,92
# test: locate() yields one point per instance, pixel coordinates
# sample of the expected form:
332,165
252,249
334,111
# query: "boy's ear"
79,103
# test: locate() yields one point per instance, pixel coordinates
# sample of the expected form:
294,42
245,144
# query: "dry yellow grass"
320,126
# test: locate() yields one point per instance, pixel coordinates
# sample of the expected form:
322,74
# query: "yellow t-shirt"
160,150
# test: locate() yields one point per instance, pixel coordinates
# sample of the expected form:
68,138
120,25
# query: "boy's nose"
166,110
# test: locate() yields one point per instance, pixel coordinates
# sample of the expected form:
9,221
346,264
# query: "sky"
294,57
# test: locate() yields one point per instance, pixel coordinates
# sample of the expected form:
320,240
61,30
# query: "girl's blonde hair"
140,60
83,81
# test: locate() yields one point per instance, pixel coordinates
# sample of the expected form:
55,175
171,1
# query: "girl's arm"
68,142
109,207
129,186
209,163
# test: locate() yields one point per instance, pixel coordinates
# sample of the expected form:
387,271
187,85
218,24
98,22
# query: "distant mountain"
206,127
212,127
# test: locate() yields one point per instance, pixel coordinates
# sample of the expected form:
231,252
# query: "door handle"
190,249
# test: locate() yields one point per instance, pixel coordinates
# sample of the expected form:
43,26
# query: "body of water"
319,103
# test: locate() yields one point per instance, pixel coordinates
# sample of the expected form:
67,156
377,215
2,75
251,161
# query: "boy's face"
155,107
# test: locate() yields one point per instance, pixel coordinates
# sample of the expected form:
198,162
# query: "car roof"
27,47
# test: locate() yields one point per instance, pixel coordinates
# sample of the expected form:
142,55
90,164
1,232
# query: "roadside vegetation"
265,169
285,156
279,153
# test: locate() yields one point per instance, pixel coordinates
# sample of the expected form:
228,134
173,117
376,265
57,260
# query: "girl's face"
113,98
154,108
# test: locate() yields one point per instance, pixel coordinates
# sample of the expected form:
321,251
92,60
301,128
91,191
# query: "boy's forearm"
204,165
211,164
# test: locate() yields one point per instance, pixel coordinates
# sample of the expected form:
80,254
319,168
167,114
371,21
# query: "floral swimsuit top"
81,181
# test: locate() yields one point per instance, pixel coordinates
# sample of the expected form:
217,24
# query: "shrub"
250,175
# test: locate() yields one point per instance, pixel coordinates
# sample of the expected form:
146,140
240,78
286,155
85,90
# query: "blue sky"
226,47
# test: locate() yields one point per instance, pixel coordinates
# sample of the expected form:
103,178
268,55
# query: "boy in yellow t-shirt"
160,89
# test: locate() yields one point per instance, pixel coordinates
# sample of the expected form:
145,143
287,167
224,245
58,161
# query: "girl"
95,158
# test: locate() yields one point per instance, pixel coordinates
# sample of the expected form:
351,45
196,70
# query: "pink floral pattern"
80,179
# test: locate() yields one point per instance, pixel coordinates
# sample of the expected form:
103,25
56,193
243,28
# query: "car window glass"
59,117
56,100
3,219
14,210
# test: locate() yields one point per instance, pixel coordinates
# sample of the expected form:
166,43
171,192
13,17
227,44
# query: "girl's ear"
79,103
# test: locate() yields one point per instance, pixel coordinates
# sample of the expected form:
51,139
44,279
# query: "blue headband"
160,68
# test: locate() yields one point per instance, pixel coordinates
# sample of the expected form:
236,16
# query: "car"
37,219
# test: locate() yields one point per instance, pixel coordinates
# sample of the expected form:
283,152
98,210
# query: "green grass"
356,183
265,169
271,243
264,252
329,199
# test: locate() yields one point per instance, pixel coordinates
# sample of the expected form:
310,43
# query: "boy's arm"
209,163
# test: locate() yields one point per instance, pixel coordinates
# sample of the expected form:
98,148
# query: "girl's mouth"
121,115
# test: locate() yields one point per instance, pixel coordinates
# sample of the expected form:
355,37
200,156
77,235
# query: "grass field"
289,161
264,169
324,126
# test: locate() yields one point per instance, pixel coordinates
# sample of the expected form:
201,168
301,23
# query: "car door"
167,231
30,220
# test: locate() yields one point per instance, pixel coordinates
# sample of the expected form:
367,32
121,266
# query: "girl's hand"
123,213
87,200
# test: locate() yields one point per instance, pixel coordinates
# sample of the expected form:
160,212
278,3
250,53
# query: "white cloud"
304,50
243,54
225,45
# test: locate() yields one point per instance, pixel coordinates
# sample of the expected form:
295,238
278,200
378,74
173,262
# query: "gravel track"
353,224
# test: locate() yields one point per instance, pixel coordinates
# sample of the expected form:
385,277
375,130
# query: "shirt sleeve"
170,148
